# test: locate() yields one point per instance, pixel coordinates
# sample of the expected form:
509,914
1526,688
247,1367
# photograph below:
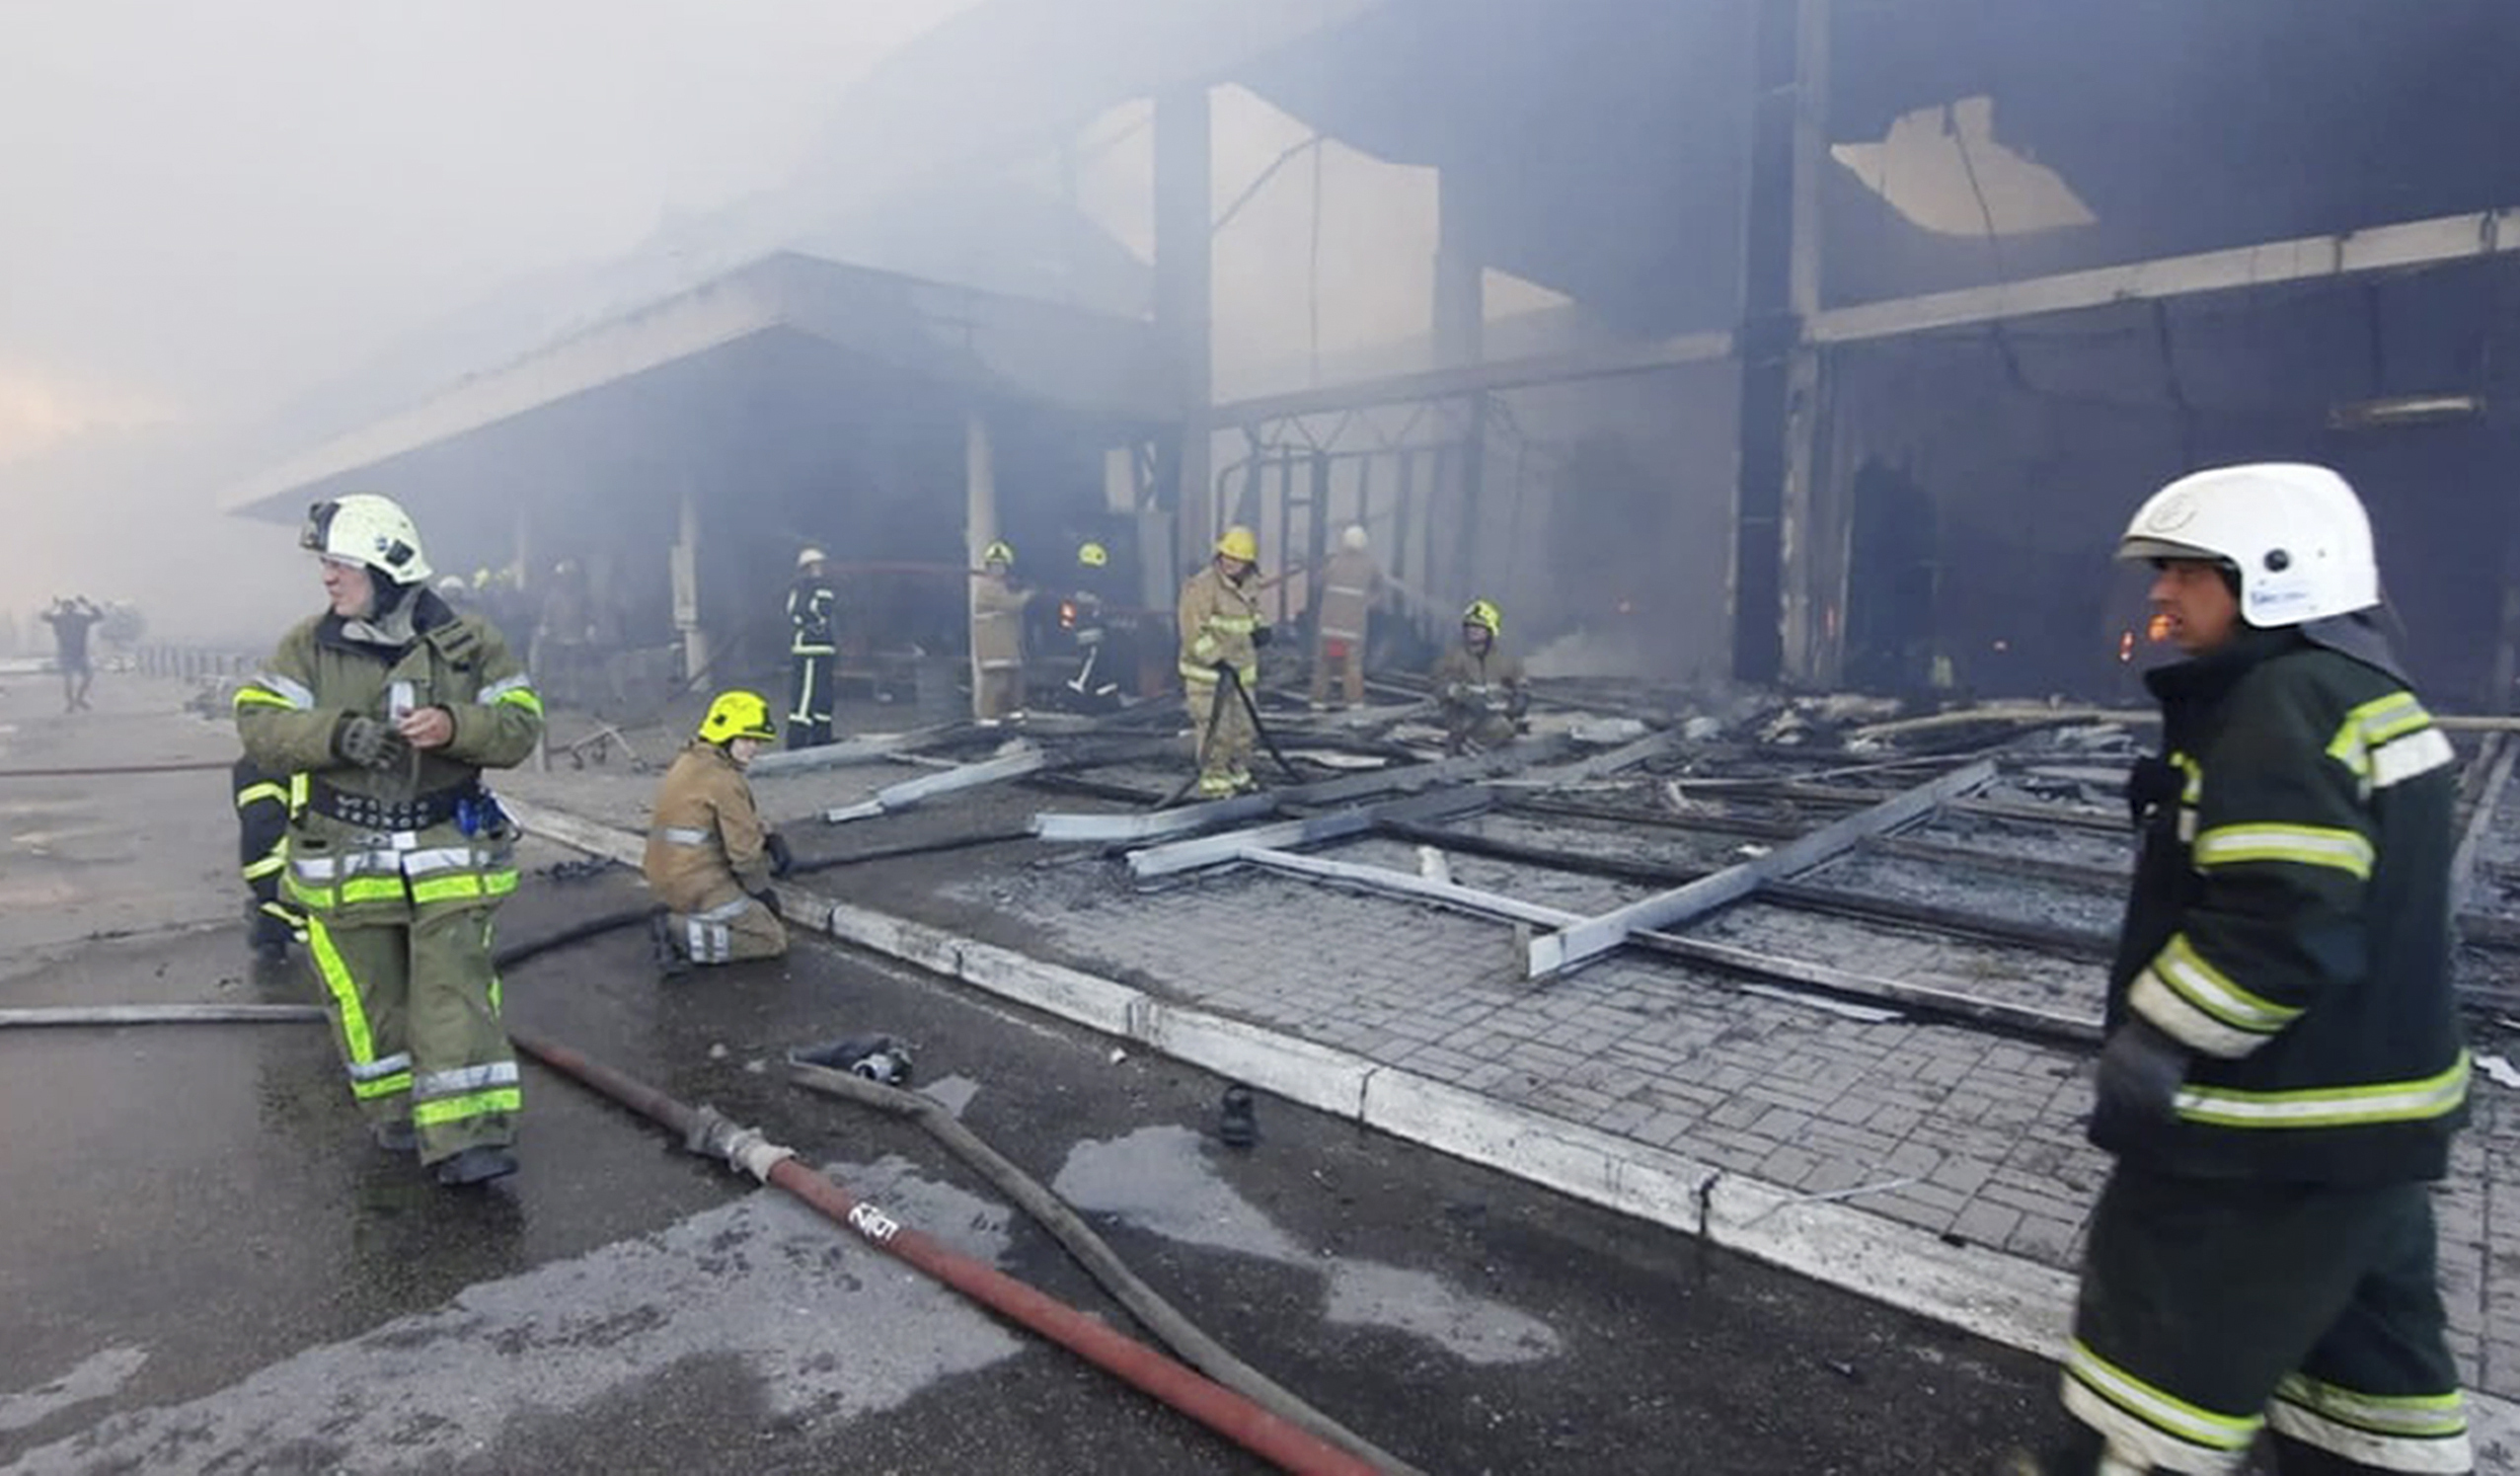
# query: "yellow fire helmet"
737,715
999,551
1241,543
1485,614
1092,554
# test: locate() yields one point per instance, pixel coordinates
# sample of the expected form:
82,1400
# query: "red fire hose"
1220,1408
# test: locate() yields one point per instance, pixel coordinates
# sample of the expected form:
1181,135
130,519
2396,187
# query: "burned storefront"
659,474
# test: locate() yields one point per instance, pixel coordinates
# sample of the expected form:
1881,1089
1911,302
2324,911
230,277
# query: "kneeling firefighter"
710,858
391,704
1478,685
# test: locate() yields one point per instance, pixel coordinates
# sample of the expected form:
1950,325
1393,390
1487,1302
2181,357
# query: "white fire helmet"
1353,540
2296,534
361,527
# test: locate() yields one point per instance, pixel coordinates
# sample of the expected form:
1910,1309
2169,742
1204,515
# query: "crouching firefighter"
391,704
1479,686
710,858
2284,1069
263,805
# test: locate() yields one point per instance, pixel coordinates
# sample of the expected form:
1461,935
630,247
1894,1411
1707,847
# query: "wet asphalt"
202,1196
206,1266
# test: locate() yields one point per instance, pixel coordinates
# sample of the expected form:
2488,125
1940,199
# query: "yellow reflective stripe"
2210,989
1197,674
523,697
1232,625
257,869
444,1110
2330,1107
2372,724
2431,1415
2159,1408
256,794
2193,790
356,1041
451,888
2299,845
261,697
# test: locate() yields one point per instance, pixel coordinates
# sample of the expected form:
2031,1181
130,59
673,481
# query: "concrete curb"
2000,1297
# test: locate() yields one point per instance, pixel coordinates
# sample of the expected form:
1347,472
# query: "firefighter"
812,652
391,704
1342,602
710,858
2284,1068
997,637
265,801
1221,632
1478,685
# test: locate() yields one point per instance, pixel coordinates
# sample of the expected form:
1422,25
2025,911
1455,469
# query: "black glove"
370,743
1262,635
2140,1071
782,859
1226,668
2153,781
770,899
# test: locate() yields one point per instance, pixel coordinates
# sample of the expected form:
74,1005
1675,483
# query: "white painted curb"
2004,1298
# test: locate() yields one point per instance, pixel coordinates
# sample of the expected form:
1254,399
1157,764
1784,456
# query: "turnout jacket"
1217,617
288,713
1346,594
809,606
997,622
706,845
2290,921
1472,686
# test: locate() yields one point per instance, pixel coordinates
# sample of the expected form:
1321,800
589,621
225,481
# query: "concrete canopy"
979,346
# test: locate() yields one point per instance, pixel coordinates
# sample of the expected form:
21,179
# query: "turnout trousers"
1340,659
809,675
2214,1308
1222,730
415,1010
728,931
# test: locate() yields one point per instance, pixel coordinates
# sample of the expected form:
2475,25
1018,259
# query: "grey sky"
213,205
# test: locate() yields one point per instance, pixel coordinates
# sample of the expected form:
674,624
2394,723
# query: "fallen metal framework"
1180,856
909,792
1568,948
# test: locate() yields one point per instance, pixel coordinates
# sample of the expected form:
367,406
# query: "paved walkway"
1940,1167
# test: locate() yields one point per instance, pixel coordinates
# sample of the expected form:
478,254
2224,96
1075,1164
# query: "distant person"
710,858
2284,1069
997,637
1342,607
564,633
392,704
814,653
1478,685
71,619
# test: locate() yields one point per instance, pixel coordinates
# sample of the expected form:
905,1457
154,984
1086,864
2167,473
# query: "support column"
1815,528
979,521
1184,309
1459,334
683,567
1779,289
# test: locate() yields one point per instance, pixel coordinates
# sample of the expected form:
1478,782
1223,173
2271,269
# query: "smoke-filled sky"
212,207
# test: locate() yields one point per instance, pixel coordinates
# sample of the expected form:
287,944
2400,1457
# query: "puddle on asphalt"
763,1279
1159,1179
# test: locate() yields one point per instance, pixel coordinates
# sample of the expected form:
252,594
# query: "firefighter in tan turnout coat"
391,704
710,858
1222,633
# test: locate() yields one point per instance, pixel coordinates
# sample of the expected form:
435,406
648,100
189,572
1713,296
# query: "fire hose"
703,1130
1230,1398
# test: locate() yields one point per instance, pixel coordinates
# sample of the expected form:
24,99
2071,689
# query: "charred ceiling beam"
2406,246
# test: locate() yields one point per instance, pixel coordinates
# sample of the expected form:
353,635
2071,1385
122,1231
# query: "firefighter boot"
477,1165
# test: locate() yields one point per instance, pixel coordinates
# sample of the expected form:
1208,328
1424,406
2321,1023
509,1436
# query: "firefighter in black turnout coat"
2284,1068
